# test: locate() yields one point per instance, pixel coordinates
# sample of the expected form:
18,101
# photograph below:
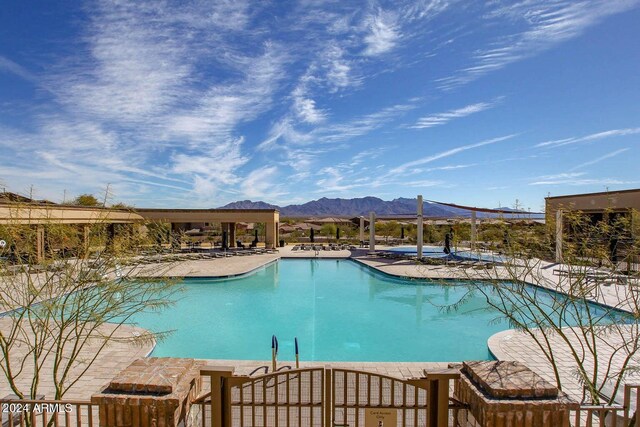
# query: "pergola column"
232,234
361,231
85,240
272,234
372,231
473,230
420,229
111,235
559,235
40,243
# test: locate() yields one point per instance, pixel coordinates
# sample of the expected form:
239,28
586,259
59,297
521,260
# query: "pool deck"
218,267
506,345
115,357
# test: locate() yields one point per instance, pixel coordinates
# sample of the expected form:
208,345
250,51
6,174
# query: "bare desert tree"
601,340
64,307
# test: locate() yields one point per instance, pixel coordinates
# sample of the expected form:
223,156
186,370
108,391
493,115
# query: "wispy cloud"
223,107
369,154
443,118
338,70
590,137
233,98
563,175
443,154
383,33
130,112
362,125
575,179
9,66
600,159
577,182
304,107
547,23
285,135
262,181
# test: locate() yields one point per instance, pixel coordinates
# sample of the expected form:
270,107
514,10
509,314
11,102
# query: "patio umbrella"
402,232
256,234
338,233
224,240
312,236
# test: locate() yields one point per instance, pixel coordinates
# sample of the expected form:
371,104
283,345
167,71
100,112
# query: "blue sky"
196,104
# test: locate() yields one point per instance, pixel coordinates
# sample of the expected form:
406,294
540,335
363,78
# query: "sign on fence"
375,417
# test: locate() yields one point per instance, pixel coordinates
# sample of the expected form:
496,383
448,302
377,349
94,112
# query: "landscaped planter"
150,391
508,394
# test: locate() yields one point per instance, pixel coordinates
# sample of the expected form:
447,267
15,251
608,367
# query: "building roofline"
27,205
599,193
204,210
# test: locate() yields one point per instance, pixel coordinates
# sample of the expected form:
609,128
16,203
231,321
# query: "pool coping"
223,276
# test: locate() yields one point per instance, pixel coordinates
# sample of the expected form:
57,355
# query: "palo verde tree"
601,341
62,312
86,200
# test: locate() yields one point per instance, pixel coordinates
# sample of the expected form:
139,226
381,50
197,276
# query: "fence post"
438,395
328,395
216,375
631,407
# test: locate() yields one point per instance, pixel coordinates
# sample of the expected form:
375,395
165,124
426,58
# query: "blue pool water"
438,252
338,309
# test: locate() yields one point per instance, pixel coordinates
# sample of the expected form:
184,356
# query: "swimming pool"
438,252
340,310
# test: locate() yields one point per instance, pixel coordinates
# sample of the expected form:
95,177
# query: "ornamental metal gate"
355,394
324,397
293,398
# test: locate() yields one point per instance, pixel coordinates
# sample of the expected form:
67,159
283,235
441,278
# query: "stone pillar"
270,240
40,243
420,228
150,392
232,234
473,230
503,393
372,231
559,235
361,231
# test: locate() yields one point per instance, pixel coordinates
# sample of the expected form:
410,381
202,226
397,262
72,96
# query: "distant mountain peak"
325,207
248,204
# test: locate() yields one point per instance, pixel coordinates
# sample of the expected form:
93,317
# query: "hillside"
357,206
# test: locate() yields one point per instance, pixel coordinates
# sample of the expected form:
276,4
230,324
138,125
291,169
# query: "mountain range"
363,206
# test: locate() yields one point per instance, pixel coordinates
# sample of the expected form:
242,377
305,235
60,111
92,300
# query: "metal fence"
322,397
41,413
616,415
